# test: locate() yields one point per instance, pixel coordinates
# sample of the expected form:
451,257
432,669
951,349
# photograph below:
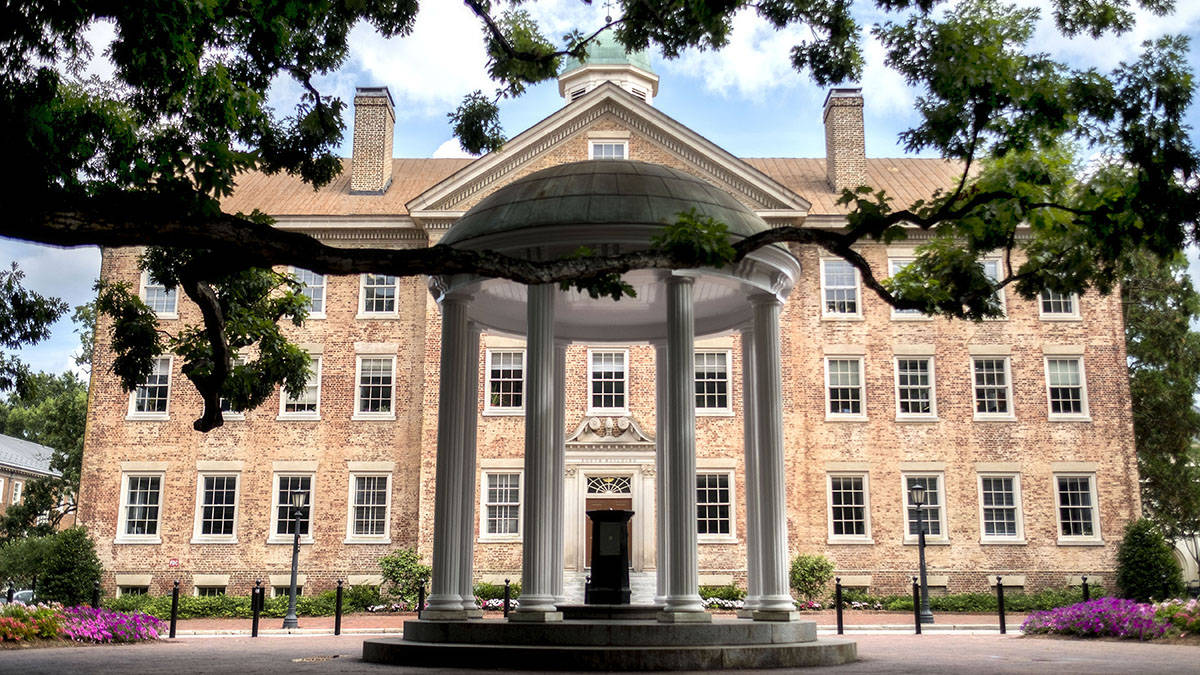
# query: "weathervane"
608,5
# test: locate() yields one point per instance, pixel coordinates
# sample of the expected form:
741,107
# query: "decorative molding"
608,433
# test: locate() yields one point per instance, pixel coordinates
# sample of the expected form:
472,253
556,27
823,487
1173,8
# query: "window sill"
494,539
997,418
166,315
1060,317
842,317
294,417
713,412
604,412
503,412
373,417
928,542
1002,542
214,540
233,417
912,317
363,540
918,420
718,539
835,417
289,540
368,316
1062,541
834,541
147,417
1068,418
315,315
137,540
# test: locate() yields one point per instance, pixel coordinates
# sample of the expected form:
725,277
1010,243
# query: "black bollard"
11,590
174,607
507,597
421,598
1000,602
837,601
96,595
337,610
917,605
1087,594
255,607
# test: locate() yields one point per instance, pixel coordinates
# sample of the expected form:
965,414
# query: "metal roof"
26,455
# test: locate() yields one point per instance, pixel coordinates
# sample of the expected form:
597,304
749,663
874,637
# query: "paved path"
925,654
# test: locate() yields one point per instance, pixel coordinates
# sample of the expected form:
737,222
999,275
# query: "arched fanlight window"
609,485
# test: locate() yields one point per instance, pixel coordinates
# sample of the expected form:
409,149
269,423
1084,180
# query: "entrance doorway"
606,492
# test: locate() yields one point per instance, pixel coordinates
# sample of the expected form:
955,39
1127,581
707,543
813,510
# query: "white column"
775,602
560,465
446,602
660,472
470,411
683,599
537,577
749,434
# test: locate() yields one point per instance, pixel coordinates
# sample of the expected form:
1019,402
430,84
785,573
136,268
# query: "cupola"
608,61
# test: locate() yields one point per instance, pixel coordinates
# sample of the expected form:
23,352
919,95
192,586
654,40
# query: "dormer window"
608,150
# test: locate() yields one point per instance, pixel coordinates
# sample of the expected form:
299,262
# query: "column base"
684,617
776,615
535,617
745,613
474,613
444,615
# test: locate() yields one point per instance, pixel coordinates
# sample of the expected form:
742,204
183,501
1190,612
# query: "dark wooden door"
600,504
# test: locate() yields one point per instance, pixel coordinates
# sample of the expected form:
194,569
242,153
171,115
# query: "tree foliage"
1146,568
144,159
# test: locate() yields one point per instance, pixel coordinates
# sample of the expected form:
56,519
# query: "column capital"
676,279
761,298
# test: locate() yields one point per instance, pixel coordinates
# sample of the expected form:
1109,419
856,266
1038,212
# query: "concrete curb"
829,629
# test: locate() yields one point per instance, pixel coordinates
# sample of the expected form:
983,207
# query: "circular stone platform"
610,645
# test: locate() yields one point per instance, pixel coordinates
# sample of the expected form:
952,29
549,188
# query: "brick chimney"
374,121
845,145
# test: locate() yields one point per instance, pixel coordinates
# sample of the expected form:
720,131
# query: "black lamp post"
299,499
916,494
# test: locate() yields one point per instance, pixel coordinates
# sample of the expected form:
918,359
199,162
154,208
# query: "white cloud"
451,149
887,90
1108,51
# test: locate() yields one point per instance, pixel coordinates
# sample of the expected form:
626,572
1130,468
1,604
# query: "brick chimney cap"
842,92
374,92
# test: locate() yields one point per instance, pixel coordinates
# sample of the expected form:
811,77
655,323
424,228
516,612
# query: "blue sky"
744,98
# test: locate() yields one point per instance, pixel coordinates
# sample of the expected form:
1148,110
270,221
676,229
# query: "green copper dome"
606,51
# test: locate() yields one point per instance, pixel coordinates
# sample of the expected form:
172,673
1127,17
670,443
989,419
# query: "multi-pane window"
932,510
375,385
132,590
314,289
1058,304
848,506
993,270
18,490
164,301
608,150
143,497
379,294
307,404
712,380
1076,506
1064,386
288,520
844,389
914,387
210,591
506,380
370,506
894,267
151,396
218,506
992,390
712,503
998,499
839,284
608,380
227,410
502,504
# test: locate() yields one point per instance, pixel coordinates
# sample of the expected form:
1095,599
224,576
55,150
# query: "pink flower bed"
1104,617
85,624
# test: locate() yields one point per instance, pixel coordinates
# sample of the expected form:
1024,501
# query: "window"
501,505
506,381
150,400
712,382
313,289
1055,305
843,390
141,502
1000,507
1065,388
162,300
914,388
1076,495
227,411
894,266
993,390
839,289
993,269
18,489
375,387
284,591
935,516
368,508
217,517
1,490
578,93
285,525
378,295
132,590
713,505
307,406
606,372
849,518
209,591
608,150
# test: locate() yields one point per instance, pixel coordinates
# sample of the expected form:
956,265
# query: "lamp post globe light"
299,500
916,495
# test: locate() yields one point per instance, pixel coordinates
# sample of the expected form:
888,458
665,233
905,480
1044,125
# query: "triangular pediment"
609,433
610,107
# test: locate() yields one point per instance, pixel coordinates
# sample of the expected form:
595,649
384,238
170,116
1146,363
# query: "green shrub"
1146,568
486,591
64,563
22,559
404,571
979,603
728,592
810,574
359,598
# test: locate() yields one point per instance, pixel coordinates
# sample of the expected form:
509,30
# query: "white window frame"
144,283
134,414
728,409
905,314
272,535
1008,383
18,490
313,314
233,415
362,299
1019,537
198,521
488,408
1085,414
484,535
607,411
1000,296
1085,540
862,389
2,495
360,415
284,399
826,313
593,142
944,537
196,590
386,536
1073,315
930,416
123,513
866,537
719,538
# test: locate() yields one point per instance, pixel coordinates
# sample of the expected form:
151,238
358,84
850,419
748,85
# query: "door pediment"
608,433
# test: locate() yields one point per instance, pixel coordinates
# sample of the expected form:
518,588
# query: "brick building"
1019,427
20,462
